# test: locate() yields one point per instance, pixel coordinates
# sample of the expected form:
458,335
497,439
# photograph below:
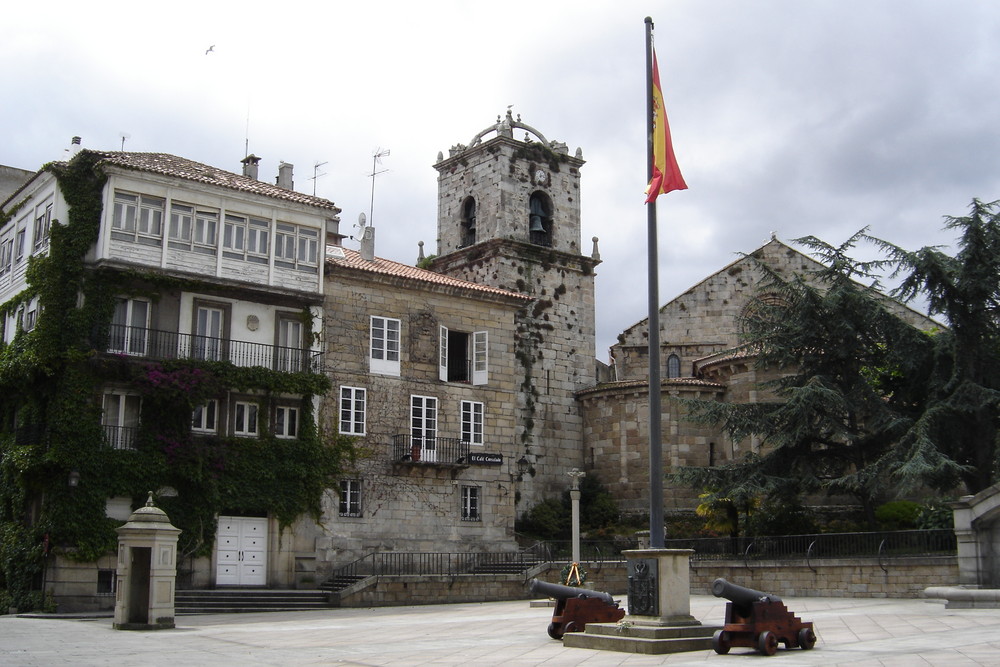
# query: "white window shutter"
480,360
443,355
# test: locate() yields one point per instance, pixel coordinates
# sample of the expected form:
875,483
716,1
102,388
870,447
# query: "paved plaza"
854,632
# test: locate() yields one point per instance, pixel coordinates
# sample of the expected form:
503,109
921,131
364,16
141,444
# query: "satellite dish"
362,226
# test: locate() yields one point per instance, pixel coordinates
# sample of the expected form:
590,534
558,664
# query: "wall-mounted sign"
485,459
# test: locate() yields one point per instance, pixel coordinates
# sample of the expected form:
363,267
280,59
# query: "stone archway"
977,527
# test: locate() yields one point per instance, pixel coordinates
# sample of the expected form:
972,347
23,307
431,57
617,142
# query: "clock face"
541,177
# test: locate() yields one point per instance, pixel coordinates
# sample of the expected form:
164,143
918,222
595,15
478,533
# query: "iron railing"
120,437
590,550
397,563
823,545
442,451
157,344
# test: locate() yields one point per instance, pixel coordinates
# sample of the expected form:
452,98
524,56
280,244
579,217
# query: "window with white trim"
43,227
245,419
463,357
296,247
204,419
19,244
246,238
350,497
120,418
286,421
135,217
6,255
290,356
129,327
192,228
472,422
384,345
423,427
352,410
470,503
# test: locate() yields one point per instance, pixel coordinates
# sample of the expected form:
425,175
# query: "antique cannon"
575,607
758,620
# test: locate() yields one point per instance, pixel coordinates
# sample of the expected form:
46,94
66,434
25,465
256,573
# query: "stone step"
644,639
247,600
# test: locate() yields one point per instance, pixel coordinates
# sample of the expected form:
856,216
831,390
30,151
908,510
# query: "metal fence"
429,450
388,563
823,545
156,344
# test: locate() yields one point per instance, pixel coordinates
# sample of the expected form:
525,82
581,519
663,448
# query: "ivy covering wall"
51,381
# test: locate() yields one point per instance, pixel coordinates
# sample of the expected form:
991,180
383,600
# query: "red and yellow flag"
666,174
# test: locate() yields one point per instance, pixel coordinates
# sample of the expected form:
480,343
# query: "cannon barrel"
560,592
744,597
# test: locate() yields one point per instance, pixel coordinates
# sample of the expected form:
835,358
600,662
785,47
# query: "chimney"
74,148
250,163
368,244
285,176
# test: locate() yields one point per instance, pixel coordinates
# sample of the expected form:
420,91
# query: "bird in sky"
210,49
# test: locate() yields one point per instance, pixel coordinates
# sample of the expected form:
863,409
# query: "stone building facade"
509,217
425,378
698,332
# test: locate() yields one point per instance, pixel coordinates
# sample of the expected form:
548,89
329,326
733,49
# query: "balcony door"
129,327
423,427
208,331
289,345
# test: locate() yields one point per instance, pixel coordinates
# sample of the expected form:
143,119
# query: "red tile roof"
171,165
352,260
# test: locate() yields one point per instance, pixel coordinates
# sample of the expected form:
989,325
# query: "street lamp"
574,495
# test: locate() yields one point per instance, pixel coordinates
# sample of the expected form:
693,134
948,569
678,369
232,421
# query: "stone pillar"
147,571
967,541
659,587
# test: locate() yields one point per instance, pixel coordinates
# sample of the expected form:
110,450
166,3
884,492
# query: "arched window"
468,222
540,219
673,366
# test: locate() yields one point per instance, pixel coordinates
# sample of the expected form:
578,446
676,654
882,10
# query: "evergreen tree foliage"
846,385
955,436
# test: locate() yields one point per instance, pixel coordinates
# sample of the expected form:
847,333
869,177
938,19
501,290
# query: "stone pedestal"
659,586
659,616
147,571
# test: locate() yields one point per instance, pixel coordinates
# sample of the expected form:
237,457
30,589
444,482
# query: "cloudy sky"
789,116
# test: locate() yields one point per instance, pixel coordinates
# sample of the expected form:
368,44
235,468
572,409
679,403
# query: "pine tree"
847,376
955,437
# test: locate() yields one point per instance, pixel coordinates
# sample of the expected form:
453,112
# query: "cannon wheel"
554,631
720,642
807,638
767,643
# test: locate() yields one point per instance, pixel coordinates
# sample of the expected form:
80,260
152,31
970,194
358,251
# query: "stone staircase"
222,601
339,582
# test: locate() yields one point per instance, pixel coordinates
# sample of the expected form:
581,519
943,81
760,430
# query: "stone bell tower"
509,217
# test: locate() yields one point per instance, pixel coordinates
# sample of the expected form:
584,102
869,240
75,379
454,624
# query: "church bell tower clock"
509,217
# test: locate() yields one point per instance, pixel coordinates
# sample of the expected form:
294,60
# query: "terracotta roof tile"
171,165
352,259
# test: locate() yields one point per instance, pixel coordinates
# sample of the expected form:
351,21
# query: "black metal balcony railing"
446,451
156,344
120,437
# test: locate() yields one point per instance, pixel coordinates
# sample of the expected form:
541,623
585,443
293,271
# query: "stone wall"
859,578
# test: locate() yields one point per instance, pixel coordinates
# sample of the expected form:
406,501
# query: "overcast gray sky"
790,116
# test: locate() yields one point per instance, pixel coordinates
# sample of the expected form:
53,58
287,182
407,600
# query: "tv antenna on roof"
124,136
316,175
376,160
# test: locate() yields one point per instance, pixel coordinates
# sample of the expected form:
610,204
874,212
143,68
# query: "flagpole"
655,411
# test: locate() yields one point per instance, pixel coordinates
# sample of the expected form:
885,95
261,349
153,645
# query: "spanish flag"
666,174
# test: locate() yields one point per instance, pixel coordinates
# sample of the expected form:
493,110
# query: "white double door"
241,545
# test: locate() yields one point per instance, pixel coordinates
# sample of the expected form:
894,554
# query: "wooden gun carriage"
758,620
575,607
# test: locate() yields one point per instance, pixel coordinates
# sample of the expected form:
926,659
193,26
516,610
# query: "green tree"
955,437
846,384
